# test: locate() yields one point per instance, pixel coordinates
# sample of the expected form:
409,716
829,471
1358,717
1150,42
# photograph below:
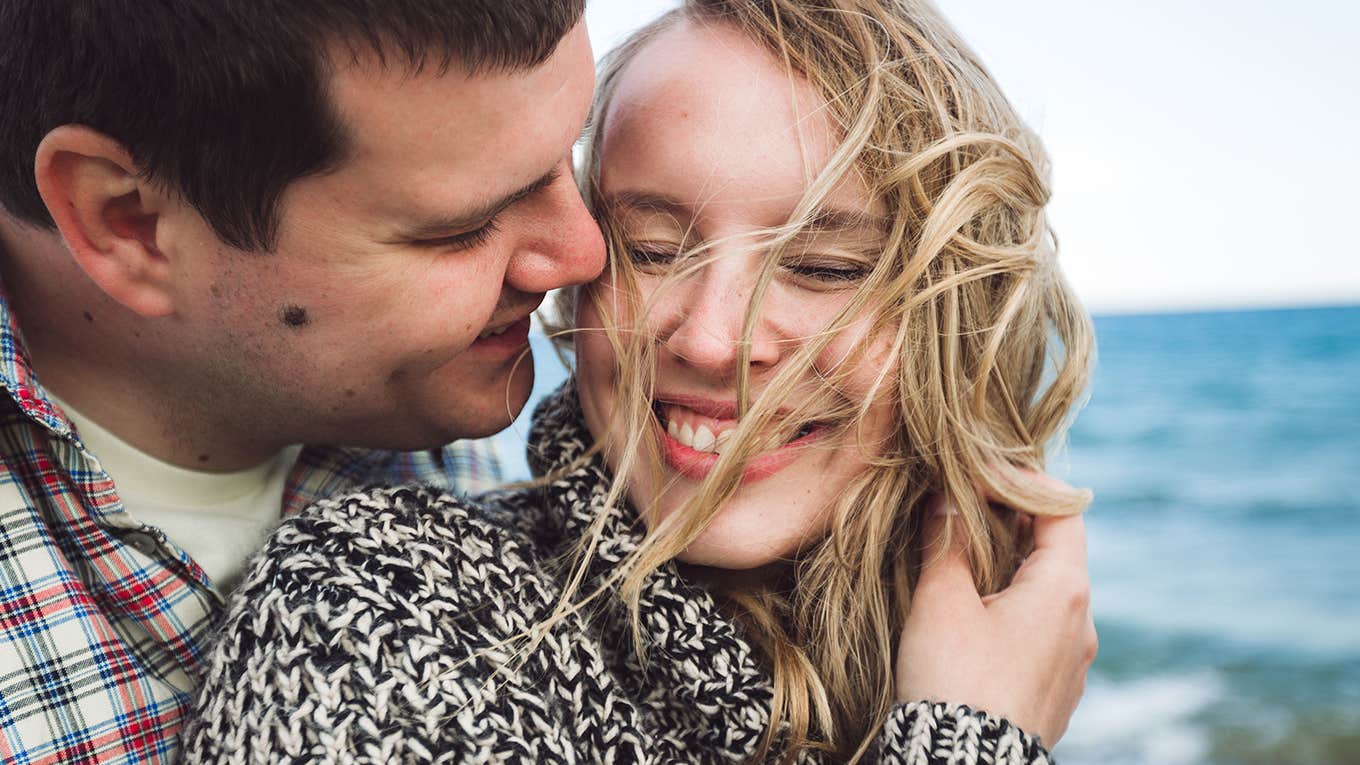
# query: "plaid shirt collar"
18,377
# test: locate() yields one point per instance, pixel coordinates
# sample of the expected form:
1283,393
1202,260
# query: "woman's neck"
772,576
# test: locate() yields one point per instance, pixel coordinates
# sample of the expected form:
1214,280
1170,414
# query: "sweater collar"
558,441
694,654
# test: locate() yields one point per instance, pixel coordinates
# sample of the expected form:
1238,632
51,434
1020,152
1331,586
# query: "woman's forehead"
706,117
697,81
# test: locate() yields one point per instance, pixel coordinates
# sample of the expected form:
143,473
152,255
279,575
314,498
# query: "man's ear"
107,213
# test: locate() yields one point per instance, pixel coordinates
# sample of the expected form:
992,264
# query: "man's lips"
510,328
511,336
508,319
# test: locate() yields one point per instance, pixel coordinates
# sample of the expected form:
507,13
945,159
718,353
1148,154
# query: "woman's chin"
743,535
722,551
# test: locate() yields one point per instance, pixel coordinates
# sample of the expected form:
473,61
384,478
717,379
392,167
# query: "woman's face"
709,144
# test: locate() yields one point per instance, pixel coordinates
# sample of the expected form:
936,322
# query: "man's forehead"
379,103
437,142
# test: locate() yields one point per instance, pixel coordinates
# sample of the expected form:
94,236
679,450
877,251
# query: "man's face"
394,309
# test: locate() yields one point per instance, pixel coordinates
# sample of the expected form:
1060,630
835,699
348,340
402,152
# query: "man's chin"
490,415
430,421
483,429
427,438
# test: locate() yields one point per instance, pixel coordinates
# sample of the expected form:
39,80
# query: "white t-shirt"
219,519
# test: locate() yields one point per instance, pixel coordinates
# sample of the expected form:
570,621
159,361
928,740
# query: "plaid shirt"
103,620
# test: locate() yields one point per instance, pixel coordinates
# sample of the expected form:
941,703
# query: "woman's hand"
1021,653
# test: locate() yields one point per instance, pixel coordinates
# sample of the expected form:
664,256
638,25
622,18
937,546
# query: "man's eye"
464,241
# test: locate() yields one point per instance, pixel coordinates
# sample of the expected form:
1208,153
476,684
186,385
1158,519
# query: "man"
230,227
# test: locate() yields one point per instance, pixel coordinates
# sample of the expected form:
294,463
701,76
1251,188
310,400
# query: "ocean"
1224,451
1224,541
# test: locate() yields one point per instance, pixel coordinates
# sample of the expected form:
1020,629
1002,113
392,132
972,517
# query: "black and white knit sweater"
381,627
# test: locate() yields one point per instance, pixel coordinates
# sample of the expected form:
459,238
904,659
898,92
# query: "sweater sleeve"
926,733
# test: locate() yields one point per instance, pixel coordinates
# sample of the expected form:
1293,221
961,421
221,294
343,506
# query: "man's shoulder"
405,595
465,467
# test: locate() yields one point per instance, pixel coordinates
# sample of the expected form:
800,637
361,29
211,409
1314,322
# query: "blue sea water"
1224,542
1224,450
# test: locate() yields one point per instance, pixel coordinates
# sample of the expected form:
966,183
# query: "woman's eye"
828,272
653,256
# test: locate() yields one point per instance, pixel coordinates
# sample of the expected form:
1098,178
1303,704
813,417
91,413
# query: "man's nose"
567,250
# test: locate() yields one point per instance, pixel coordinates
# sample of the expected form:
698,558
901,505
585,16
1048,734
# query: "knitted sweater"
386,626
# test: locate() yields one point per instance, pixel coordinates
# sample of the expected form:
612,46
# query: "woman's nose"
705,319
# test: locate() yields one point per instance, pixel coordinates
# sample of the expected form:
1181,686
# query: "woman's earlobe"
107,214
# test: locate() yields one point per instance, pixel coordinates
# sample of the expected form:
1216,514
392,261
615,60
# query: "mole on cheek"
294,316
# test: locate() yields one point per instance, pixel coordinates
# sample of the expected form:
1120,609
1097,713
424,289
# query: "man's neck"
87,349
154,421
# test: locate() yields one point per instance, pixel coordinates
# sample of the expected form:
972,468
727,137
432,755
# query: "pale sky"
1204,152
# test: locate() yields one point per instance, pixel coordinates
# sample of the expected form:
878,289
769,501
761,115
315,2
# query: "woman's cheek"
868,359
595,363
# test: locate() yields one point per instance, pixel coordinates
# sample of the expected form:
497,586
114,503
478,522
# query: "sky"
1204,153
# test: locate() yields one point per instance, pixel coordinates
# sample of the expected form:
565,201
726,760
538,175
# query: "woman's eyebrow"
831,220
825,220
646,201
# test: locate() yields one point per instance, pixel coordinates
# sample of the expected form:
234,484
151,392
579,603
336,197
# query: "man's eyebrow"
430,229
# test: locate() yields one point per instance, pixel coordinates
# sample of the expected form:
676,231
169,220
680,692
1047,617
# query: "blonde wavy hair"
990,349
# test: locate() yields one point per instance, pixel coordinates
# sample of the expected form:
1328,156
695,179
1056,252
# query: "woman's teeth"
493,332
700,439
703,439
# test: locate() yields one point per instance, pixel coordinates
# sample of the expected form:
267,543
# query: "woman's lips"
696,465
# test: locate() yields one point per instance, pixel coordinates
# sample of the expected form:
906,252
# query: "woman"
832,298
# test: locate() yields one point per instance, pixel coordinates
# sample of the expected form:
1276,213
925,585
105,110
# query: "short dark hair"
226,101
